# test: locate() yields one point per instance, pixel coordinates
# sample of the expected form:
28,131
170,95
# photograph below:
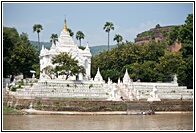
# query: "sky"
129,18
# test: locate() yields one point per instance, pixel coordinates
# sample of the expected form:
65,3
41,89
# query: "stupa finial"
65,25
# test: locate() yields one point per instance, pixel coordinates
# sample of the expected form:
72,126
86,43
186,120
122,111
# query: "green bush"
38,102
56,103
21,82
14,89
91,85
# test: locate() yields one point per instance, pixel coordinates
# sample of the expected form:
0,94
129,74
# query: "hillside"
94,49
46,44
158,34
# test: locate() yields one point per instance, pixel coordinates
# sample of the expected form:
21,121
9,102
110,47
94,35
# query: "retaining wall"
90,106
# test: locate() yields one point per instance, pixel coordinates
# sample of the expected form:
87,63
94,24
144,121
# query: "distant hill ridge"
158,34
94,49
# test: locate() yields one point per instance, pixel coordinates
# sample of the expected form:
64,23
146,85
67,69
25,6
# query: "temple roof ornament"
87,48
53,45
175,79
42,46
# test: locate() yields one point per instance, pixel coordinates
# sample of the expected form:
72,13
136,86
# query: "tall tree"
79,36
70,32
67,65
186,38
186,30
53,38
25,55
107,27
19,55
37,28
10,39
118,38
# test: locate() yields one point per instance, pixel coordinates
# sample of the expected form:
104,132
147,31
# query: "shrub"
91,85
56,103
21,82
38,102
14,89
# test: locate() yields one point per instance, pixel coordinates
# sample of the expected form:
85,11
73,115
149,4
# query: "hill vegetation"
157,33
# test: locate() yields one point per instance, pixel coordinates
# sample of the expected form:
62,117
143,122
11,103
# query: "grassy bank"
9,110
87,105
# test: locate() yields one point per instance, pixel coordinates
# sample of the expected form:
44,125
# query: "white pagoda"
66,44
126,78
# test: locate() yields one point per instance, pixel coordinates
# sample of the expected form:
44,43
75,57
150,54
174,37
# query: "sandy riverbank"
33,111
40,112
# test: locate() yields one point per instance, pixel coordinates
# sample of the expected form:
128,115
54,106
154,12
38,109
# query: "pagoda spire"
65,25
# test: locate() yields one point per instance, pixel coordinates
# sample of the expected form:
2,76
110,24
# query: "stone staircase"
123,94
65,89
129,95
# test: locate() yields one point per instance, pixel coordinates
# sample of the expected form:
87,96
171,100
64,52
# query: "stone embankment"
98,106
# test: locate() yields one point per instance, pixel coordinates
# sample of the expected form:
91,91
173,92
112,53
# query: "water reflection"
99,122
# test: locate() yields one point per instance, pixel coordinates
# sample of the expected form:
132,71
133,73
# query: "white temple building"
66,44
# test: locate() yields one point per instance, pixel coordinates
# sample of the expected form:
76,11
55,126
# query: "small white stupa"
98,76
126,78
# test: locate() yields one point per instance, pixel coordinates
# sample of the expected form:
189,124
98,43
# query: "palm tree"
118,38
70,32
53,38
107,27
79,36
37,28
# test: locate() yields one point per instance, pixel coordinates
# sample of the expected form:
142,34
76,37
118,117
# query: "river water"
182,121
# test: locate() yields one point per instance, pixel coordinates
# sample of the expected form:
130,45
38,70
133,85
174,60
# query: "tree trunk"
108,39
80,42
24,76
12,78
67,76
38,42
